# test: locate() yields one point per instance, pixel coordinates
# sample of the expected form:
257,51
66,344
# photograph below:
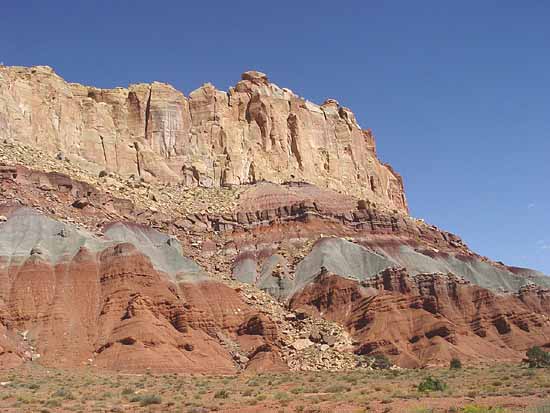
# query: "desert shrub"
281,396
63,393
537,357
53,403
221,394
337,388
375,361
297,390
149,399
146,399
381,362
127,390
431,384
455,363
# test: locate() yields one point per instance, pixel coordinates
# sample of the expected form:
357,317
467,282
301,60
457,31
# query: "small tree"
537,357
455,363
431,384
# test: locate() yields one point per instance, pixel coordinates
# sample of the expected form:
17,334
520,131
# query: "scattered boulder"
315,336
81,203
329,339
302,344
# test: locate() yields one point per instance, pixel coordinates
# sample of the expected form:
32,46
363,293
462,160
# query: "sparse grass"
543,408
468,389
337,388
482,409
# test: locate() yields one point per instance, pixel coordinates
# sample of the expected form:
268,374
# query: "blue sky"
457,93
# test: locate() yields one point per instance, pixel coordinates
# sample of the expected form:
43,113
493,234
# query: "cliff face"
255,131
106,270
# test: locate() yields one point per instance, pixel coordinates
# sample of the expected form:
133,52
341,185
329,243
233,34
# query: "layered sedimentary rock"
255,131
127,271
429,318
125,301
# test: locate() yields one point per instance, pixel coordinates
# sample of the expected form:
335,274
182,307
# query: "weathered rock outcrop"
256,131
72,299
429,318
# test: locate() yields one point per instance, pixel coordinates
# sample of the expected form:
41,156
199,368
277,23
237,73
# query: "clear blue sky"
457,93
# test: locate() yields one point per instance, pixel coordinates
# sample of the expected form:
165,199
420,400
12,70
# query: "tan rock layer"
256,131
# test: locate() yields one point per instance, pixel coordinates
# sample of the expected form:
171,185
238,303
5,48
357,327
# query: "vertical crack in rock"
116,153
148,112
136,147
104,151
293,128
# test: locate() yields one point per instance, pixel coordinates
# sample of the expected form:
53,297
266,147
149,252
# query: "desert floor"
495,388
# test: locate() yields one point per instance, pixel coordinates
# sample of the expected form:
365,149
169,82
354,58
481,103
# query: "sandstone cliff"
255,131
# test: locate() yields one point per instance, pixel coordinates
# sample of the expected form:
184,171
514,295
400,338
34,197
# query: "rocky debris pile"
30,353
318,358
318,344
240,357
306,343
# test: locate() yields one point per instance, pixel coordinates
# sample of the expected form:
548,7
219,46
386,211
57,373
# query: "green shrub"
221,394
381,362
431,384
455,363
127,390
337,388
53,403
63,393
148,399
537,357
281,396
